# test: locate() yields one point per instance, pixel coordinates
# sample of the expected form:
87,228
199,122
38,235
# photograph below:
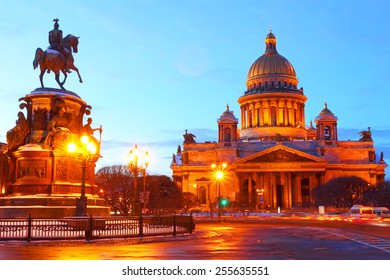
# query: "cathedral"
268,158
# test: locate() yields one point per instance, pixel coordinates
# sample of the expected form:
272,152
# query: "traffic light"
223,202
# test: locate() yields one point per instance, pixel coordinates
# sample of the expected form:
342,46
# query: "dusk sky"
153,69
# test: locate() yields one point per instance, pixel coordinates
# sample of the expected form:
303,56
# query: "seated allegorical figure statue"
16,136
58,132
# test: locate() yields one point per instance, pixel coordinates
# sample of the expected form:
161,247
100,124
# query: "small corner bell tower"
326,124
227,128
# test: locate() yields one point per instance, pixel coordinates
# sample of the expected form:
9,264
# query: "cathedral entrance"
248,194
305,192
279,196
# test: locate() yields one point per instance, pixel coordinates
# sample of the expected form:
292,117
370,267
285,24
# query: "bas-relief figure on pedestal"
58,127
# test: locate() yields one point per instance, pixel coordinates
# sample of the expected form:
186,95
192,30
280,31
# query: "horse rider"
56,42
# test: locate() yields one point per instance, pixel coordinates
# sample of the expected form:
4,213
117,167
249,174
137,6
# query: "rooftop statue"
58,56
189,137
366,135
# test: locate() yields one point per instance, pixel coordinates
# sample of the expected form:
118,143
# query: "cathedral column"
287,183
250,187
242,117
274,191
298,188
267,113
254,115
280,113
261,114
285,114
257,117
299,120
293,189
290,114
294,115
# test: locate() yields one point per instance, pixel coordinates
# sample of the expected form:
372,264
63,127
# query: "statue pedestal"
44,178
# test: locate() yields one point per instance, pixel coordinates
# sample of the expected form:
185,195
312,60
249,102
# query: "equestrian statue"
58,56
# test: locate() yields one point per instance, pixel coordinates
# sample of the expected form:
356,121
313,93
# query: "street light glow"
91,148
84,139
219,169
138,164
71,147
85,153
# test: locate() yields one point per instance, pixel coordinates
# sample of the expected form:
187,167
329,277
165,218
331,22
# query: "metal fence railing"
94,228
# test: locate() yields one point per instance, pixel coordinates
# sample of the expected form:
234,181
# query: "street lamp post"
138,164
260,194
85,153
219,169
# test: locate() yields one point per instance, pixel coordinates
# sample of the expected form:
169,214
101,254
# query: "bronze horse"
56,61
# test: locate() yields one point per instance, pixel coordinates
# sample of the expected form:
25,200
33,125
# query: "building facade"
273,160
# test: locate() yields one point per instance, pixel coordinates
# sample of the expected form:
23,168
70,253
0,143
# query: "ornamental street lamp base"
81,206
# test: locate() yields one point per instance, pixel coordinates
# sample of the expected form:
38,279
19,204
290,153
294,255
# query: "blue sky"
152,69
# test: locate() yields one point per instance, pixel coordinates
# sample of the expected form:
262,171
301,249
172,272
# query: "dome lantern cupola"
270,43
271,70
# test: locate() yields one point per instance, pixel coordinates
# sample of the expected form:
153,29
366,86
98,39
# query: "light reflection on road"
227,241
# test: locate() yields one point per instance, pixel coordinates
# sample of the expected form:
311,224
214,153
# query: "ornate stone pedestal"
45,179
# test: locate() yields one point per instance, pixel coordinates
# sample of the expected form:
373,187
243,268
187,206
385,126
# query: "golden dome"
271,68
272,104
271,62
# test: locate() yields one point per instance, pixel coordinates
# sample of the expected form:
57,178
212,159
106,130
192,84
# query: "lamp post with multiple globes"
85,153
219,172
138,164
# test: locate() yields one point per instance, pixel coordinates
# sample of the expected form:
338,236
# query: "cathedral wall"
360,172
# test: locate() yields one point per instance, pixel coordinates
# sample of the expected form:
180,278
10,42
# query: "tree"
165,197
190,201
341,192
117,184
378,195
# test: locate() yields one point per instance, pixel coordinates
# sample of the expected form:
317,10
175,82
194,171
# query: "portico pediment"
280,154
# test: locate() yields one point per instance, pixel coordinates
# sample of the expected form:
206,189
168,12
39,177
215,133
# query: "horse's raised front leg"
77,70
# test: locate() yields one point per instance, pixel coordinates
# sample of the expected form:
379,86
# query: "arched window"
228,136
202,195
327,133
273,115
